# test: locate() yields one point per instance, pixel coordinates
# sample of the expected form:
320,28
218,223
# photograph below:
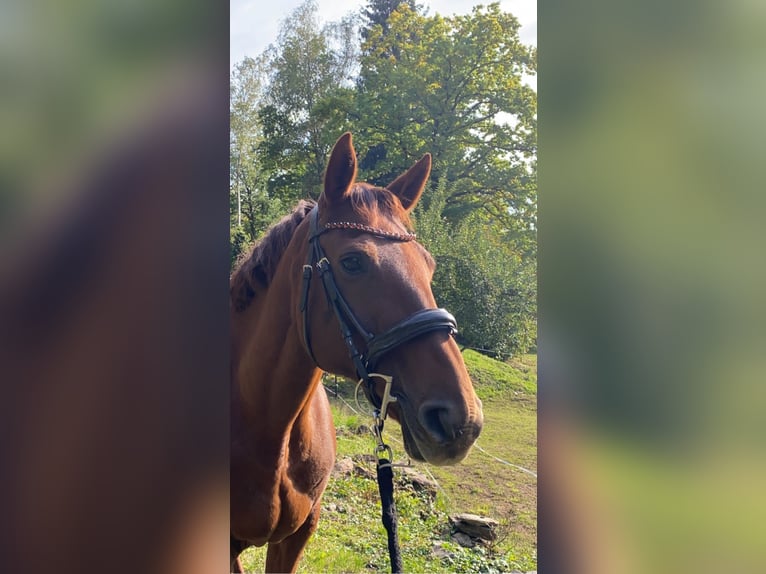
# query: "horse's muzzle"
439,433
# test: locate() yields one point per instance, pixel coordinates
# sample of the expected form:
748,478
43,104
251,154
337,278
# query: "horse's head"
384,278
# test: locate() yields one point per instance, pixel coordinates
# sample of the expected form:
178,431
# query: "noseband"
419,323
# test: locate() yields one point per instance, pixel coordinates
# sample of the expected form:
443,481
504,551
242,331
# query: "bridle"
417,324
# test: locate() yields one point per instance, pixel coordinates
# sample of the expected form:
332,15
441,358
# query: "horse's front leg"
284,556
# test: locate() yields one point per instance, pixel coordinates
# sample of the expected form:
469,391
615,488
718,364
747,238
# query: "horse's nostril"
438,419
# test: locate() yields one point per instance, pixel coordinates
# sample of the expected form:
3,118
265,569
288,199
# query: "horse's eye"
352,264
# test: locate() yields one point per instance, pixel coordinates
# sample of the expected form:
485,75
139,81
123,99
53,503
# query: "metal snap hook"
384,448
388,398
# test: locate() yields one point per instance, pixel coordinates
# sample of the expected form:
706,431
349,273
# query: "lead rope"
385,472
388,512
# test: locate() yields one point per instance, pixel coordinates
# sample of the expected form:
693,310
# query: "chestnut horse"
370,277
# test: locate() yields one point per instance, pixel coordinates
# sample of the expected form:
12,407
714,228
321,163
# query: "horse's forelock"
368,201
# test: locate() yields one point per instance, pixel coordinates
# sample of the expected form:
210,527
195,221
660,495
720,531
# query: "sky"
255,23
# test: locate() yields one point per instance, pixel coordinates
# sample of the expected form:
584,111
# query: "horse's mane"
260,264
257,267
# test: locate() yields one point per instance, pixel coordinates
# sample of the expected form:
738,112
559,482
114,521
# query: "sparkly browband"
371,230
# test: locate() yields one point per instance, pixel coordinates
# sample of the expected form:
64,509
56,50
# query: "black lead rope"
388,512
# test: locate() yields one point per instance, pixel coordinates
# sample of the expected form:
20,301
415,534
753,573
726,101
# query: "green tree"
454,87
252,207
480,278
310,80
377,13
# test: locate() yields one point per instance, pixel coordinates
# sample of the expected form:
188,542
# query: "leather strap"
417,324
308,268
420,323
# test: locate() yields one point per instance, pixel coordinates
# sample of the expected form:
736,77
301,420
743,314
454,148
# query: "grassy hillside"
350,537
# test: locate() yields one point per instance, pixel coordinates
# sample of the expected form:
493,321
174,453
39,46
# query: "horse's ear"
409,186
341,169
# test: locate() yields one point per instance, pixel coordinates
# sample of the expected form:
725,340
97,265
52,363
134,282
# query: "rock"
475,526
365,458
349,465
344,466
438,550
364,471
364,465
419,481
463,539
330,507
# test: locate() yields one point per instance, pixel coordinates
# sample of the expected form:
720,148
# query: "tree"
377,13
309,80
251,207
490,288
453,87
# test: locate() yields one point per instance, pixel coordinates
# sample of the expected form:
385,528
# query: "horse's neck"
272,375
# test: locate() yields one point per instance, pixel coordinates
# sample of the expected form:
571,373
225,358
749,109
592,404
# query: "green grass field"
350,537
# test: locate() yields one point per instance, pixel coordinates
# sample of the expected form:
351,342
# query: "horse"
371,308
114,424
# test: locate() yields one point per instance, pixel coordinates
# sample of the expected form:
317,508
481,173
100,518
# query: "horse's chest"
282,494
305,470
309,463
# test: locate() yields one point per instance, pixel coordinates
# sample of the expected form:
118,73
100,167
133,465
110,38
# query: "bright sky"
255,23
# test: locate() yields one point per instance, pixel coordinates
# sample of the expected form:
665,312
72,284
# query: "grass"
494,378
350,537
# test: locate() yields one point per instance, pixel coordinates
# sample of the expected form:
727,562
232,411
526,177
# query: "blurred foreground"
652,275
113,287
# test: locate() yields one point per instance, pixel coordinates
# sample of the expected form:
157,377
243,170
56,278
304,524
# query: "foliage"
245,181
453,87
238,241
491,289
377,13
481,278
286,110
253,207
309,74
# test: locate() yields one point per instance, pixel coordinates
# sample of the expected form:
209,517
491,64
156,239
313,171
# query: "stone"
365,458
344,466
364,471
475,526
438,550
463,539
419,481
364,465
